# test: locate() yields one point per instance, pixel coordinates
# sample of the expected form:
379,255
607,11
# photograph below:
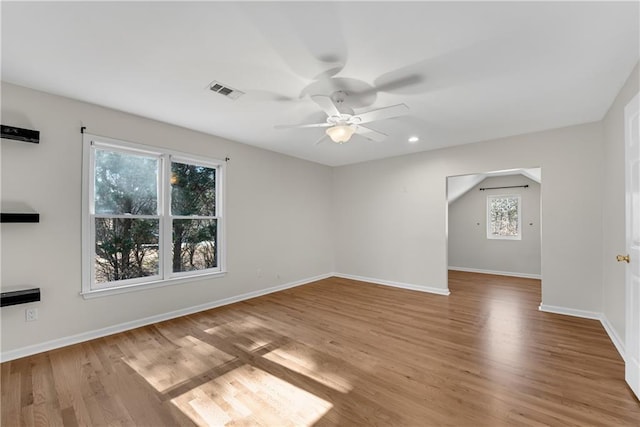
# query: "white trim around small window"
150,217
504,217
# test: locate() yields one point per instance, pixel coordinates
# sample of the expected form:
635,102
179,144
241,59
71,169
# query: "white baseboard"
498,273
570,311
608,327
632,376
110,330
613,335
428,289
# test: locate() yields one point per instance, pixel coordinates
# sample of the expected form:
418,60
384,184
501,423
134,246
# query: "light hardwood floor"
338,352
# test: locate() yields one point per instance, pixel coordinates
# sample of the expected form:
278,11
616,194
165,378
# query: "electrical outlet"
31,314
259,272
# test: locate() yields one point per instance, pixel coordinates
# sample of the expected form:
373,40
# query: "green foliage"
194,244
503,216
126,248
125,183
193,190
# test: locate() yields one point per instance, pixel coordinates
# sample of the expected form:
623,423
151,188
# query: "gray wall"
391,214
469,247
278,212
613,211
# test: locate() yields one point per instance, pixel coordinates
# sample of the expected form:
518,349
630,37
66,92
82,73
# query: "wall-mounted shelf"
20,134
20,296
18,212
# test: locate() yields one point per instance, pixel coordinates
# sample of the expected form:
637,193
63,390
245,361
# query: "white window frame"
165,275
499,237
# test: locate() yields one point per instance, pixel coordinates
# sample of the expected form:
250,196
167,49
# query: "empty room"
320,213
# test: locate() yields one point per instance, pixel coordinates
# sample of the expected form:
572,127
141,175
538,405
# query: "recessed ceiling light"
413,139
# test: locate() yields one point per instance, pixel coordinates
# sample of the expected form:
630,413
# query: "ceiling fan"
342,122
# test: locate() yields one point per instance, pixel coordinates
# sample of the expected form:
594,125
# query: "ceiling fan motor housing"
344,118
339,97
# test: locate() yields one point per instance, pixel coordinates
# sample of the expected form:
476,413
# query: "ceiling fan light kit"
342,122
341,133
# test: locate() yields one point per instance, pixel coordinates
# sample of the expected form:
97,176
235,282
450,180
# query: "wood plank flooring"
338,352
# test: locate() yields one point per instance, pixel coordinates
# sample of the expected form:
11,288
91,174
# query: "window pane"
194,244
503,216
193,190
126,248
125,183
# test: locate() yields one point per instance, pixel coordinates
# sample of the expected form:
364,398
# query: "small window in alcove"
503,217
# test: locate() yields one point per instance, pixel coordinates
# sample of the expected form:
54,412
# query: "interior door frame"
632,268
489,173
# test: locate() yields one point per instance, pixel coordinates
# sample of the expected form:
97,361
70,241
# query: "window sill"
504,237
97,293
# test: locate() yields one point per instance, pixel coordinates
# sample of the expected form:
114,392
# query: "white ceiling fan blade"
380,114
321,140
327,105
311,125
371,134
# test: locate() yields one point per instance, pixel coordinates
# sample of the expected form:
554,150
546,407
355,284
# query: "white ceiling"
467,71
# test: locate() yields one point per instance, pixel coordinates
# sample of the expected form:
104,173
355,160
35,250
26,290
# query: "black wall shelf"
18,212
21,296
20,134
19,217
15,211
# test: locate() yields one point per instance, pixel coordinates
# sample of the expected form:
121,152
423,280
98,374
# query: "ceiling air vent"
227,91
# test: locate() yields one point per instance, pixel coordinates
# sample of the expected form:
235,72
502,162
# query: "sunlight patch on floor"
166,368
313,364
248,395
250,334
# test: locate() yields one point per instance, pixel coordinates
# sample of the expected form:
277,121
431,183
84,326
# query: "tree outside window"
126,216
152,216
503,217
193,210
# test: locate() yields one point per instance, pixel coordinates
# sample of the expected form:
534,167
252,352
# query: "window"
150,217
503,217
